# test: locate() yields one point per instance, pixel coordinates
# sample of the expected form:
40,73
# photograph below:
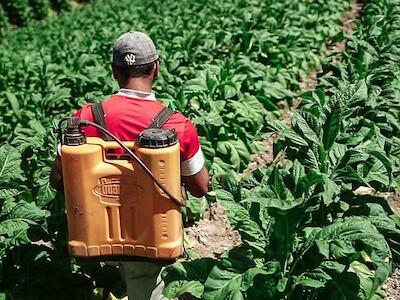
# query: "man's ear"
117,75
156,70
115,72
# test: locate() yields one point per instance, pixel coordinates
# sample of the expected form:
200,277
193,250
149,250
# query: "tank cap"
157,138
73,134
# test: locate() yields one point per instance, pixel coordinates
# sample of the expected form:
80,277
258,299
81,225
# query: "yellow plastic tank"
114,208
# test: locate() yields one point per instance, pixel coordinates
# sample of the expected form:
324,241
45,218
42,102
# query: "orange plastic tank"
114,208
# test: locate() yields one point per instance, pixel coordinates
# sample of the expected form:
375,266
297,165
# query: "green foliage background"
226,65
24,12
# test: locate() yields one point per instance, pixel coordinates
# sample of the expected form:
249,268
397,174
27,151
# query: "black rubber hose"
134,156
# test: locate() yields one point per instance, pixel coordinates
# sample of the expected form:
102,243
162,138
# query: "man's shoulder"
179,117
182,124
111,98
88,106
83,111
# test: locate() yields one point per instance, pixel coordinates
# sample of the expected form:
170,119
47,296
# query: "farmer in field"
135,66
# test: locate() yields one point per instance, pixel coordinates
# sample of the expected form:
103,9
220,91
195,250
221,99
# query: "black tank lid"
157,138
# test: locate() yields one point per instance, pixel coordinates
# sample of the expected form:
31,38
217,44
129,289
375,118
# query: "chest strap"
158,121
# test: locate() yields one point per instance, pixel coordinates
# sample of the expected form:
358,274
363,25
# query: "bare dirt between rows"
392,286
213,235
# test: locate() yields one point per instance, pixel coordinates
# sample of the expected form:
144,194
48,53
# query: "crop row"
318,226
22,12
226,69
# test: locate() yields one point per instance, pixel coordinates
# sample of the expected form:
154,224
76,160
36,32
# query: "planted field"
308,228
23,12
214,69
315,227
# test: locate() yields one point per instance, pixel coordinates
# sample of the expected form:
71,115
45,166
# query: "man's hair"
135,71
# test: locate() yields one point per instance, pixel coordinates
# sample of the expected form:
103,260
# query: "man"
135,66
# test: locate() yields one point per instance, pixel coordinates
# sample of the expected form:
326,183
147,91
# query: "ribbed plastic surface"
115,209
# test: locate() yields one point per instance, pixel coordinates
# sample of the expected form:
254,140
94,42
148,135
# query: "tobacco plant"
294,247
308,231
24,12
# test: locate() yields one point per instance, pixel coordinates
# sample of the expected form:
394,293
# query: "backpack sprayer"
124,204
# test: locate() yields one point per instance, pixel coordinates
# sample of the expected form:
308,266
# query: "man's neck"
142,85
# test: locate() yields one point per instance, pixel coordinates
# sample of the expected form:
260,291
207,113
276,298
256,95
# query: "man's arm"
56,179
198,184
193,171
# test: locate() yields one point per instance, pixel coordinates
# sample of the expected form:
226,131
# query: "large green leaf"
348,238
331,127
287,132
308,126
19,220
45,193
250,232
225,284
10,161
187,277
230,153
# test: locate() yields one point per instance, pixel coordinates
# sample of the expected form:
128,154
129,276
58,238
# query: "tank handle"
114,145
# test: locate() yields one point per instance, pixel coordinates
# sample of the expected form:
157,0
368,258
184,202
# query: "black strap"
158,121
99,118
161,118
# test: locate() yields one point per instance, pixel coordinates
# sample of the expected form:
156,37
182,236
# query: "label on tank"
112,189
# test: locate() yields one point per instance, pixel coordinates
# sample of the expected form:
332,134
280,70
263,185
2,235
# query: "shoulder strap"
158,121
99,118
161,118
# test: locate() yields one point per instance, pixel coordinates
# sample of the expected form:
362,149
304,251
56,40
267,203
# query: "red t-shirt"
127,116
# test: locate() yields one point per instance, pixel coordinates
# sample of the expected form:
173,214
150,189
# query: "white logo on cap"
130,59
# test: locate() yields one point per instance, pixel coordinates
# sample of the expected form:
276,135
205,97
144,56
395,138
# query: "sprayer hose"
135,157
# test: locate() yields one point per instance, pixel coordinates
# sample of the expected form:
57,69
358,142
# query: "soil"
349,25
261,158
352,15
392,286
394,201
310,83
213,235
